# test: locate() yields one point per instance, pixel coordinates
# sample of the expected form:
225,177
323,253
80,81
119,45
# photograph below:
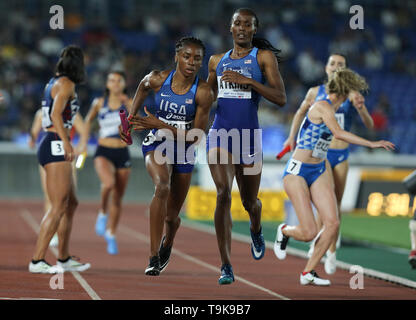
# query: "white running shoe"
280,243
73,265
312,278
43,267
330,262
54,241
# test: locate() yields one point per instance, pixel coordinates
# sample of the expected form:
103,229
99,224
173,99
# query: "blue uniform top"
238,104
177,110
109,120
345,112
69,112
316,137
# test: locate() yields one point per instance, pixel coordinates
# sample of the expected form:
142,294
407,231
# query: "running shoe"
227,275
101,224
54,241
153,269
258,247
72,264
164,254
112,247
330,262
412,259
42,266
312,278
280,243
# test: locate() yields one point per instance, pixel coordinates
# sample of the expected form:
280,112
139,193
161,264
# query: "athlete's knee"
251,205
162,189
223,196
309,233
171,220
108,185
332,225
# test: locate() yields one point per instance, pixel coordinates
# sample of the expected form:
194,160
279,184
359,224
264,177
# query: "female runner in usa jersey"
238,79
183,103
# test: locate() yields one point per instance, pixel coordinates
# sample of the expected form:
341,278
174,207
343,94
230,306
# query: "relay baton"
283,152
125,125
79,164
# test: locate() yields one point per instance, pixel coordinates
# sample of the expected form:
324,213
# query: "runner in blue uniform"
338,151
305,178
183,103
112,158
55,154
238,79
36,136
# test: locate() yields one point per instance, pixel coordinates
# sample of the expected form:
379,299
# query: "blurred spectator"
380,117
373,59
309,67
135,36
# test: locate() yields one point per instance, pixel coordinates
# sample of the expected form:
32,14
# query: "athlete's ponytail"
265,44
71,64
345,80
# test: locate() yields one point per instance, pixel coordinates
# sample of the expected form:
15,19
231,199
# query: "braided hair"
188,40
259,42
71,64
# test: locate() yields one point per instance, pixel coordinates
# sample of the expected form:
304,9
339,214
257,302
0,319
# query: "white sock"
109,234
329,253
101,214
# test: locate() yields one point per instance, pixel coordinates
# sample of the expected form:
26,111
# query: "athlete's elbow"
280,100
338,135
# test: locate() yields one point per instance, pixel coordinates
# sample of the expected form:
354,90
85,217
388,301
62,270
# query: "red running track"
192,272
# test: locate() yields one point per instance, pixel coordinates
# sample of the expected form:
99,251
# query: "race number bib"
234,90
321,149
340,119
178,124
57,148
150,138
294,166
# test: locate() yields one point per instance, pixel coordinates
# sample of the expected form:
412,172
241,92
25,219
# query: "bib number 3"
294,167
57,148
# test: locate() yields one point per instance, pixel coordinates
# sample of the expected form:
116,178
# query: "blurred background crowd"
138,36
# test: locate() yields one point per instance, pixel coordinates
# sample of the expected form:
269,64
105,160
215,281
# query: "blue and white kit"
344,115
177,110
109,121
236,112
51,147
315,137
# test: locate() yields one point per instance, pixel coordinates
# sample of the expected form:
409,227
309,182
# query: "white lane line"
303,254
30,220
144,238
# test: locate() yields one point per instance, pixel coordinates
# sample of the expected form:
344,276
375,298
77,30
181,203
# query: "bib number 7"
294,166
